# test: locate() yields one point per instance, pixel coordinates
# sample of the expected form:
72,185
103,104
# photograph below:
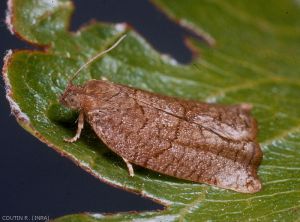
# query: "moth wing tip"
254,185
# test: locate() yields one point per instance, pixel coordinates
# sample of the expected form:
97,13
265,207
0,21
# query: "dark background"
34,179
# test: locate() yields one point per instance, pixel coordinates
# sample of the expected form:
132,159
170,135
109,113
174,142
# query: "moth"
205,143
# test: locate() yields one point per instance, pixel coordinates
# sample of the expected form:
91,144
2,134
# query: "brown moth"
205,143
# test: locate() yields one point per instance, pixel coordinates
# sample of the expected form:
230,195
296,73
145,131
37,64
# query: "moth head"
72,97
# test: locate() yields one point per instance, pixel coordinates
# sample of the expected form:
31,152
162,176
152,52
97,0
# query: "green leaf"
251,55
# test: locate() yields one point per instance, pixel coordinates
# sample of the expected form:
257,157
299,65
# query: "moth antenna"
96,57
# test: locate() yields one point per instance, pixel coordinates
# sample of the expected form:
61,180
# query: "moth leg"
79,128
129,166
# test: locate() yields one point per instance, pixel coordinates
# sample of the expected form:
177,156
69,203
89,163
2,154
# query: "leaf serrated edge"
15,109
198,32
10,18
